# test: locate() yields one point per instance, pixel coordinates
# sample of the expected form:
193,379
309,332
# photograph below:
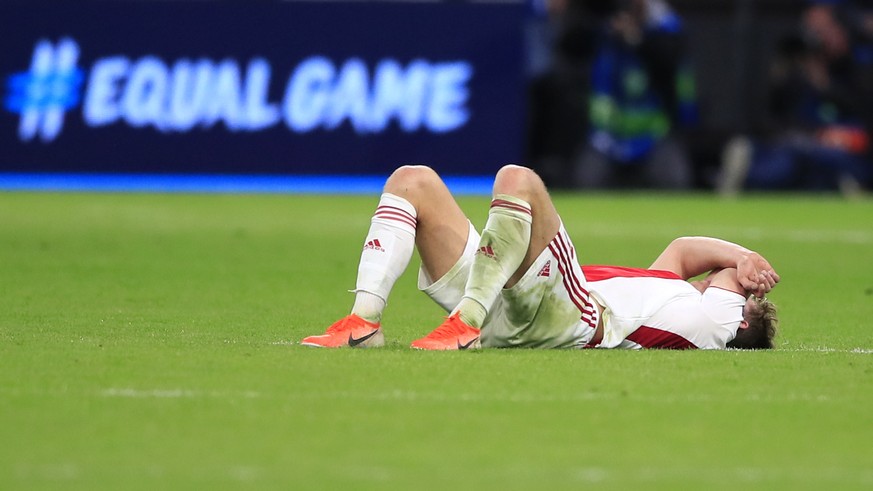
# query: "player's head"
758,327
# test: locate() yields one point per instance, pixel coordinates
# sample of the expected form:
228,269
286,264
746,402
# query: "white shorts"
549,307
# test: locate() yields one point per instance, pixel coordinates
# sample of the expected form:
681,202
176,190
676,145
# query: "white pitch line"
823,349
175,394
424,396
72,472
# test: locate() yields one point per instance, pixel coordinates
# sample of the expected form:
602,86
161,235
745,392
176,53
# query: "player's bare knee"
517,181
411,181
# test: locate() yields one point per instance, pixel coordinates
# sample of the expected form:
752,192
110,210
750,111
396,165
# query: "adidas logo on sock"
374,244
546,269
487,251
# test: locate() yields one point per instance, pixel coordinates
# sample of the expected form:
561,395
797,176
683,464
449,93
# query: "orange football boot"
351,331
452,334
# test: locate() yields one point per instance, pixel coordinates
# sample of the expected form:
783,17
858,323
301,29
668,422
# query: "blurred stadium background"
315,96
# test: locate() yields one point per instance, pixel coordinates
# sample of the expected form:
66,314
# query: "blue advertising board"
298,88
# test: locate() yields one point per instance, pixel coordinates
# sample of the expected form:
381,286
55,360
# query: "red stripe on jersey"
570,253
578,295
574,295
649,337
567,254
502,203
598,273
583,306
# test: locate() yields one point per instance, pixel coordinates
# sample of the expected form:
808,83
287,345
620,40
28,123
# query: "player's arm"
703,283
727,279
692,256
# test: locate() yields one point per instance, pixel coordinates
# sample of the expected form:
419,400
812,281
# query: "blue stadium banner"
259,87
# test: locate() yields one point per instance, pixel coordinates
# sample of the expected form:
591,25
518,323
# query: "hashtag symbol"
44,93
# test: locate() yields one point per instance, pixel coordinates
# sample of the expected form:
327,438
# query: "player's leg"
415,210
442,226
526,189
521,223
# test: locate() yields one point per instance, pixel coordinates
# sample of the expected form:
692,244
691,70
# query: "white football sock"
387,251
502,249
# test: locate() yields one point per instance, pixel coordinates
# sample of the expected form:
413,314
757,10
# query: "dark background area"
730,44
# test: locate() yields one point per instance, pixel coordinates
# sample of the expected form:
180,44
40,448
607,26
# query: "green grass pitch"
149,342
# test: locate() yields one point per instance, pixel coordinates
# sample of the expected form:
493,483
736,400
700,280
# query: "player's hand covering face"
756,275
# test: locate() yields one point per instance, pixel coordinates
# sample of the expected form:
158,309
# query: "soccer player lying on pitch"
519,284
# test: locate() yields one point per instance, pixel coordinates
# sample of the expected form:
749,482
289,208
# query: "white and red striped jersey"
657,309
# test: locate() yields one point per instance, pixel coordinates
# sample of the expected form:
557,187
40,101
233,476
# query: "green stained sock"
502,249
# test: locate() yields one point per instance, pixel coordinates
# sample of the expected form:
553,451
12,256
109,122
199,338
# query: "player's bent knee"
517,181
411,180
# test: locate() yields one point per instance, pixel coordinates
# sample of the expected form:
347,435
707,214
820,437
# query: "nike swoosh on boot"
465,346
354,342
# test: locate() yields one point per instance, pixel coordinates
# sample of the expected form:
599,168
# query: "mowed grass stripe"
424,396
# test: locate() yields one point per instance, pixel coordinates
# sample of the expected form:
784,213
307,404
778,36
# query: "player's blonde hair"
763,324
